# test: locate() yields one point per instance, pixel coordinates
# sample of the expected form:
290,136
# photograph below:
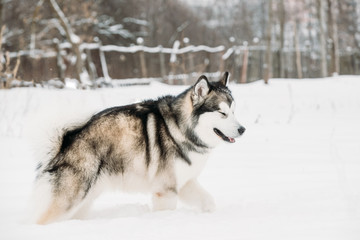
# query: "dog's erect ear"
201,89
225,79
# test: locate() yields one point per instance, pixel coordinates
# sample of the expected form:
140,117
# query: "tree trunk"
298,53
333,32
268,59
310,63
81,73
1,12
321,7
282,39
33,26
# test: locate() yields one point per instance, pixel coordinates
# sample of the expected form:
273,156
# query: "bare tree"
348,24
268,61
333,32
34,19
74,40
297,50
322,25
282,38
6,73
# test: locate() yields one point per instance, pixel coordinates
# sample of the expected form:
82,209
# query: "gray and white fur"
156,146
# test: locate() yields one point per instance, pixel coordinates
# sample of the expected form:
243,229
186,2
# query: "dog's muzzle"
223,136
241,130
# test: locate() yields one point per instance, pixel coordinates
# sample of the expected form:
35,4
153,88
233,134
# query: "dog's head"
213,111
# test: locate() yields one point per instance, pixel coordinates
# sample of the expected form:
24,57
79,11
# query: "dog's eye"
222,113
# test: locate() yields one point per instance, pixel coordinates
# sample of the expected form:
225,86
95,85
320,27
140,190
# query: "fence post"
162,62
91,66
9,74
173,59
103,64
59,61
191,65
222,62
245,64
140,41
238,61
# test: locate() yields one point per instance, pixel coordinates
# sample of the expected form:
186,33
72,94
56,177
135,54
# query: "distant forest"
284,38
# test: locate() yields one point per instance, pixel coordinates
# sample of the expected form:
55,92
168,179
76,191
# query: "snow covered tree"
75,41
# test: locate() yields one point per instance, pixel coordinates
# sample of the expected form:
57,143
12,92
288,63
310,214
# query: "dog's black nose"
241,130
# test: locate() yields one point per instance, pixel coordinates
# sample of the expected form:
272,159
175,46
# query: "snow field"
293,175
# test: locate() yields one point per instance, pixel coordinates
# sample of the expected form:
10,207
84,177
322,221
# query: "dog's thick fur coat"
156,146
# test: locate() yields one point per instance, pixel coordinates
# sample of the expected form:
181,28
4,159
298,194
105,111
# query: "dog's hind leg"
62,207
86,204
58,211
69,193
52,213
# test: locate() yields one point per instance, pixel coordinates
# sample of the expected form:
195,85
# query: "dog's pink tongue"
232,140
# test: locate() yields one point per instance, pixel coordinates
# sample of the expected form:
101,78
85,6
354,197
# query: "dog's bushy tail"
45,149
40,198
44,132
45,146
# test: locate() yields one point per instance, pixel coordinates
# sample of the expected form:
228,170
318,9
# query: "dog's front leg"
192,193
165,199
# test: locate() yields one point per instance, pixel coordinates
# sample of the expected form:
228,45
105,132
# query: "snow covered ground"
295,174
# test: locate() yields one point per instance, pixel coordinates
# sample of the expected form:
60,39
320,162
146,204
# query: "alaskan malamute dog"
156,146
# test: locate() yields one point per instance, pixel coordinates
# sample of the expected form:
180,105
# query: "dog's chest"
185,172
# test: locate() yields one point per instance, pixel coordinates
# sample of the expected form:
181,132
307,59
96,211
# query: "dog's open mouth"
223,136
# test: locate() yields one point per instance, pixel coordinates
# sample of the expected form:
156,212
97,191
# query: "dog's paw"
208,204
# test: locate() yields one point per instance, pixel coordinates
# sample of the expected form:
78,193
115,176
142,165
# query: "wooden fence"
177,65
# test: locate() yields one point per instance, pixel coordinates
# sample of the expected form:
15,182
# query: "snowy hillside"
295,174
